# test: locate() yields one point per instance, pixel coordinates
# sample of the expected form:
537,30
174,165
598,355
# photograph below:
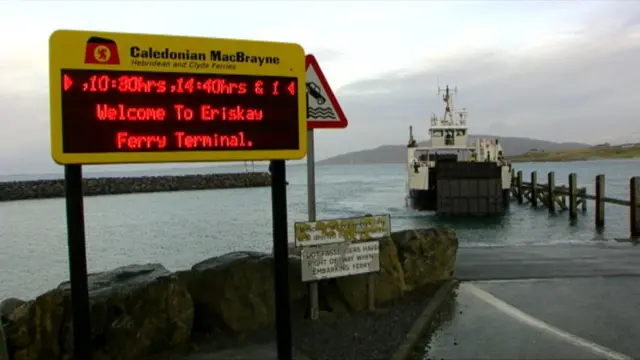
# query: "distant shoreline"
584,154
514,159
521,161
54,188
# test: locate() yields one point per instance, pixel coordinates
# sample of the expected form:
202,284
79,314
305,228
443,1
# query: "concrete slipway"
544,302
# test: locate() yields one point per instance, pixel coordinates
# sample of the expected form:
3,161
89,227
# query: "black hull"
427,200
423,200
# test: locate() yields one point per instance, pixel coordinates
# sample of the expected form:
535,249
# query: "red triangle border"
342,119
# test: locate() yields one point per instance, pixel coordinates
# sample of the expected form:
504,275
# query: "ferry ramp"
543,302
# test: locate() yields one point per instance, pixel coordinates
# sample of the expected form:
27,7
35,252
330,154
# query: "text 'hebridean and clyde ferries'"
193,100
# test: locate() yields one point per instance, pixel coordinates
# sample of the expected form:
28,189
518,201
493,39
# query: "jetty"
570,197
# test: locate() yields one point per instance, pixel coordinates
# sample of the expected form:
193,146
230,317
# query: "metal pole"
311,171
314,307
77,262
311,204
311,177
281,259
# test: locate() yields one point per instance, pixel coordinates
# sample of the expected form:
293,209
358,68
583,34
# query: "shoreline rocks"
44,189
140,310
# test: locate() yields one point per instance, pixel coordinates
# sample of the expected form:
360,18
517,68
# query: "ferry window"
460,132
448,139
437,133
421,155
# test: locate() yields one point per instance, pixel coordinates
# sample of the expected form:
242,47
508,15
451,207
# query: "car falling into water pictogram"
314,90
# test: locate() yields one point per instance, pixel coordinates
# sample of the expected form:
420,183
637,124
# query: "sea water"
178,229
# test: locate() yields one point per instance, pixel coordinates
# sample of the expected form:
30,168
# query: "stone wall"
138,310
42,189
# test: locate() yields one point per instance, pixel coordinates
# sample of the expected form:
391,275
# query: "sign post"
76,244
130,98
281,259
323,112
341,247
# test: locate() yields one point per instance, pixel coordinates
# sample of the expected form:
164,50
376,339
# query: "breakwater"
43,189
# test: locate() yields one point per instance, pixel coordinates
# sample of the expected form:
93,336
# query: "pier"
572,198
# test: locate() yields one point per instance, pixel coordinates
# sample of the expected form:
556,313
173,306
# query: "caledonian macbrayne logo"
101,51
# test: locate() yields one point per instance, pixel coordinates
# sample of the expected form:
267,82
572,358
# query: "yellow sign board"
333,231
133,98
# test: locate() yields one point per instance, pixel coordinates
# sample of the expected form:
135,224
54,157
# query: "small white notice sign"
331,261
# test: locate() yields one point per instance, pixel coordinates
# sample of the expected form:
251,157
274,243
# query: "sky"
552,70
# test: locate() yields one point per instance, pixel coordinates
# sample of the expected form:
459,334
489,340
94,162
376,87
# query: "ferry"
451,176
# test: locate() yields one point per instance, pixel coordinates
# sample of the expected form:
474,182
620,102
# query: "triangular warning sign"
323,109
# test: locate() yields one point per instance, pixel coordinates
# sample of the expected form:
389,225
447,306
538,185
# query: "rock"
390,283
135,310
236,291
350,293
4,347
427,255
7,307
408,260
33,330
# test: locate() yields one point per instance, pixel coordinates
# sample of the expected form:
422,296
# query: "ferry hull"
423,200
427,200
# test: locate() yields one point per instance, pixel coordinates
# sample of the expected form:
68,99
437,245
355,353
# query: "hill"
589,153
397,153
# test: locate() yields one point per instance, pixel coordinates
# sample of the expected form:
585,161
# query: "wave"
324,113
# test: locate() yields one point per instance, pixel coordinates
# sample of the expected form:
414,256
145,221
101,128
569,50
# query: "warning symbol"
101,51
324,111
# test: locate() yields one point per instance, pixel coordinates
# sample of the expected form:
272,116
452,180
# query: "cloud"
326,55
581,85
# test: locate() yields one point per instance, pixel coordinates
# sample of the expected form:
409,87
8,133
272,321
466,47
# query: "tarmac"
532,302
266,351
544,302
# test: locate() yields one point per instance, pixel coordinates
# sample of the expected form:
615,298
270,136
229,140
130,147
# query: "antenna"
412,141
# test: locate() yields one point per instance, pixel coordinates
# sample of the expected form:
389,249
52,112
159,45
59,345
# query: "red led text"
222,86
152,111
122,112
133,142
224,113
124,84
181,85
183,112
235,113
186,141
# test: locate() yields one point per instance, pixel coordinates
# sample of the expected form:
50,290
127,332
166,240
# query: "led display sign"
212,100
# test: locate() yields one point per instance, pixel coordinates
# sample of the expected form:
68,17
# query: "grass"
590,153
